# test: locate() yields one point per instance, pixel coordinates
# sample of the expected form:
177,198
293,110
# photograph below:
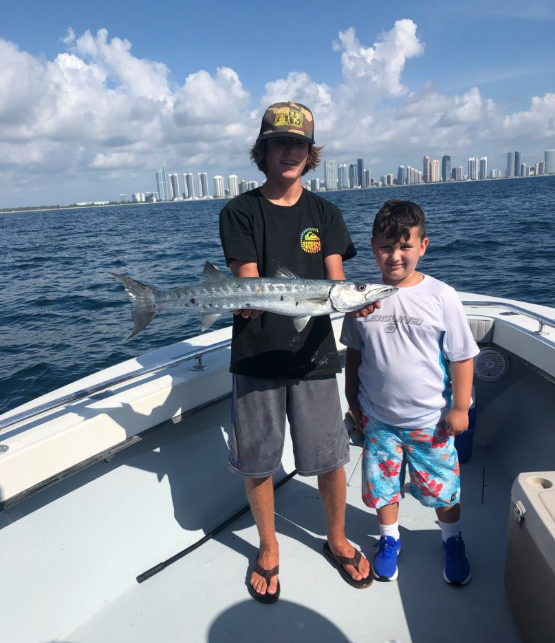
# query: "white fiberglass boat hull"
104,490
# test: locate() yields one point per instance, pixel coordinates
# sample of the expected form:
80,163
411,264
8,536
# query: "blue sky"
136,84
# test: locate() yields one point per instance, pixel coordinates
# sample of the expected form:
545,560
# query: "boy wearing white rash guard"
409,370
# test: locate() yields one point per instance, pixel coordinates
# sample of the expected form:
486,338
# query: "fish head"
348,296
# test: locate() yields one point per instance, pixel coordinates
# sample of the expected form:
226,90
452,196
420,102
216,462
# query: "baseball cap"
288,119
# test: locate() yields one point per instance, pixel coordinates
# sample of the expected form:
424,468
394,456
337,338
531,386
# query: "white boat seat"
482,329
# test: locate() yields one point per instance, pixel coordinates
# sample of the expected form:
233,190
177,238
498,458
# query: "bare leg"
389,514
333,489
260,494
449,514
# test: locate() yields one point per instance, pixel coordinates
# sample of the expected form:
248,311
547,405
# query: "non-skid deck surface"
203,596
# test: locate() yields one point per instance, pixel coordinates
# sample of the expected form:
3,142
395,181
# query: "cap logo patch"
310,240
289,116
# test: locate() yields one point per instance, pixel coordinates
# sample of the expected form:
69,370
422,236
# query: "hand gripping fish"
285,294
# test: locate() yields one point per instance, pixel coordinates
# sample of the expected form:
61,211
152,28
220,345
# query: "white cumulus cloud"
98,117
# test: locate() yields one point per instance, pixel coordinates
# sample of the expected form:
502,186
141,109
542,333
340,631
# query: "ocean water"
62,316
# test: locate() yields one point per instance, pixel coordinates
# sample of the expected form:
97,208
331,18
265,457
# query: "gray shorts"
259,410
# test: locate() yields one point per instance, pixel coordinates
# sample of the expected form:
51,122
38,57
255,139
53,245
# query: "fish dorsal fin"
211,273
285,273
300,323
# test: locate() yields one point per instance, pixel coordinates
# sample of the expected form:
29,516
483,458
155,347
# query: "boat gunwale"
197,354
95,389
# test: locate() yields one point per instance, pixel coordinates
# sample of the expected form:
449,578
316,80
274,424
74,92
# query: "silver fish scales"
285,294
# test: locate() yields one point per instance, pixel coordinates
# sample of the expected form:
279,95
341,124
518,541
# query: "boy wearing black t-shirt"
277,371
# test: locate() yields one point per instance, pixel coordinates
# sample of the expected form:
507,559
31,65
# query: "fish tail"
145,302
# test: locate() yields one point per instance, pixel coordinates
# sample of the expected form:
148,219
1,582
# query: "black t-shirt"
296,237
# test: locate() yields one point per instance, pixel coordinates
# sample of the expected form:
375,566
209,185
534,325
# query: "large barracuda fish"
285,294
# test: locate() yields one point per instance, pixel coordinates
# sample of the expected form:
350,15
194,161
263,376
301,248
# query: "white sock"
390,530
449,529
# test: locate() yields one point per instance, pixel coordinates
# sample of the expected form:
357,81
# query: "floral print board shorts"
431,458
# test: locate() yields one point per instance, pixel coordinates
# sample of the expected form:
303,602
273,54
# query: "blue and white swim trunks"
431,458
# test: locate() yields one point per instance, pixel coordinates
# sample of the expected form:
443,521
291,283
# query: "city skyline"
95,98
353,175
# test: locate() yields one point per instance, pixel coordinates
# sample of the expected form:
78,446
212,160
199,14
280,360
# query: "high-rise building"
360,172
459,173
472,168
162,184
252,185
203,185
219,188
175,192
190,186
549,166
343,177
517,164
330,175
367,180
353,175
427,169
185,188
540,168
446,169
483,173
402,175
315,185
524,170
510,171
435,171
233,182
243,186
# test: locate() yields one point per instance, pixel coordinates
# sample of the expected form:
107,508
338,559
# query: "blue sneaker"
385,560
457,567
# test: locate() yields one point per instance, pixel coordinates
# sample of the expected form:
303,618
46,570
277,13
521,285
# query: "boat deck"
203,596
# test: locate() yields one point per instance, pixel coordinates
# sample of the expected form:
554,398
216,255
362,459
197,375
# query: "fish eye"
361,287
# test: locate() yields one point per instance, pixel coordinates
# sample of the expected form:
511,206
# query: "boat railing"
196,354
514,309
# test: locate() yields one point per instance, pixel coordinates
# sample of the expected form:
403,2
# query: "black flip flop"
267,574
340,561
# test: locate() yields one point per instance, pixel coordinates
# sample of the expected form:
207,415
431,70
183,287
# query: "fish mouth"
382,293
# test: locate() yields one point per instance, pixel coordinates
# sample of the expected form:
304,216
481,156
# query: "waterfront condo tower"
330,175
510,171
233,183
162,184
219,189
446,169
426,169
483,174
353,175
360,168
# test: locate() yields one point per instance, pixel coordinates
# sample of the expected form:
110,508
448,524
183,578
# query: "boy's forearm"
353,360
333,268
462,375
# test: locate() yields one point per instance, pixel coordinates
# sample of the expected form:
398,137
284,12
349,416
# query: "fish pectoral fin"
208,319
211,273
300,323
285,273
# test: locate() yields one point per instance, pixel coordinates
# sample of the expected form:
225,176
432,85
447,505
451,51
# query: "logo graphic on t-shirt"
394,322
310,240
